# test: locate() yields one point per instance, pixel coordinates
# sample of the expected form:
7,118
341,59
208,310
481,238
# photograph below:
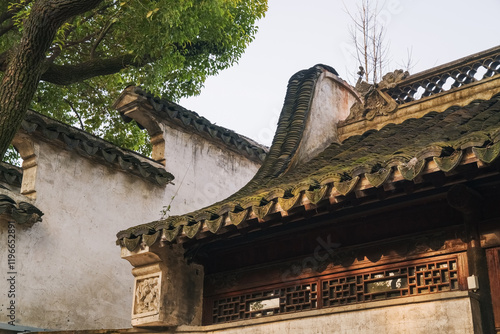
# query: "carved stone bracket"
167,290
147,292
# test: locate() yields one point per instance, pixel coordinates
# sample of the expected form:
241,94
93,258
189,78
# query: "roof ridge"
452,108
355,165
186,118
87,145
292,121
19,208
11,174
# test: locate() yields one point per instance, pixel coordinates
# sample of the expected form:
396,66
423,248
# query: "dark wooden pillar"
468,202
493,256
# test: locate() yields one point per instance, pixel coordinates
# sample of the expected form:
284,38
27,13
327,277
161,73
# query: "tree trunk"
25,68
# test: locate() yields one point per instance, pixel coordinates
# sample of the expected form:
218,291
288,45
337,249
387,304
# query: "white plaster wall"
451,316
206,174
70,274
69,271
331,103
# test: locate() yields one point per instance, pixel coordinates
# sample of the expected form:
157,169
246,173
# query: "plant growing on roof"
367,34
69,59
368,37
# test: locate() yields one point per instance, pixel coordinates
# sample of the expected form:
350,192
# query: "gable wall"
206,172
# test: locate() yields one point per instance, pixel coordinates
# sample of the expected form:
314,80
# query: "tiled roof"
91,146
17,210
397,152
11,175
190,120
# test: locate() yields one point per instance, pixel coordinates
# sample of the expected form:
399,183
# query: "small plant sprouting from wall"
166,209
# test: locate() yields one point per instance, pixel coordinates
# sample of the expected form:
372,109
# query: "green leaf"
187,42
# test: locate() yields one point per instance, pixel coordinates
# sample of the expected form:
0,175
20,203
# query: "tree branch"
8,14
76,112
99,39
68,74
5,29
24,68
70,44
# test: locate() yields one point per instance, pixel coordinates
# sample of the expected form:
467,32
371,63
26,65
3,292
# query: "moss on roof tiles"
405,146
291,122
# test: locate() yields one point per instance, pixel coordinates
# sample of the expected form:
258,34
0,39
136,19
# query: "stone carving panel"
147,295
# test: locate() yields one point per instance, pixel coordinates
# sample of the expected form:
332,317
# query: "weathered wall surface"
69,274
206,172
331,103
451,316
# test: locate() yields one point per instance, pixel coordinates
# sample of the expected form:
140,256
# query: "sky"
298,34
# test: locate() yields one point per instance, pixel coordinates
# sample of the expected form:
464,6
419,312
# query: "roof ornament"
391,79
375,101
361,73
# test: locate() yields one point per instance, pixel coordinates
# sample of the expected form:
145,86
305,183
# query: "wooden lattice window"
337,289
264,303
399,282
